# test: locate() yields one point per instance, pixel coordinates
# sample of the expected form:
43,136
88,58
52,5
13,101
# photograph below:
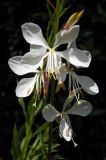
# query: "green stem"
27,140
53,25
49,142
50,125
29,124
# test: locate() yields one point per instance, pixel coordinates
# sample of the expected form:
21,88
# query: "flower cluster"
42,60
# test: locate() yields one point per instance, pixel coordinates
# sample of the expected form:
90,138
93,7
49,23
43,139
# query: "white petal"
81,108
72,44
65,130
68,102
19,68
33,34
77,57
38,49
61,76
33,58
25,87
66,36
88,85
49,113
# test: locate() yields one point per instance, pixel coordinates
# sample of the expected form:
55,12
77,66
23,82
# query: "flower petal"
77,57
65,130
33,59
68,102
72,44
19,68
61,76
66,36
49,113
81,108
38,49
25,87
88,85
33,34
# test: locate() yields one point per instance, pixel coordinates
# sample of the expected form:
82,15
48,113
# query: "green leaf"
57,156
44,126
16,152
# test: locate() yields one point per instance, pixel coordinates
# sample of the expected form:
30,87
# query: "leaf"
45,125
57,156
21,102
55,147
16,152
32,148
30,110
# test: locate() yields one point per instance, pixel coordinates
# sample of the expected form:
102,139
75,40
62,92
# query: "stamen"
55,60
75,93
75,144
79,88
76,89
50,61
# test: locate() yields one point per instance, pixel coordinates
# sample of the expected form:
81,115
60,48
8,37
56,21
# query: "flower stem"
49,142
52,93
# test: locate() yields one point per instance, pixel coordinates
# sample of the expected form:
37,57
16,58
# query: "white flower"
77,82
39,50
65,130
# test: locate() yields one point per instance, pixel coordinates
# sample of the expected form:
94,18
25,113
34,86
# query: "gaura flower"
39,50
65,130
77,82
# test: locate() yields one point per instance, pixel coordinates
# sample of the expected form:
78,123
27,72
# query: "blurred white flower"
83,108
39,50
77,82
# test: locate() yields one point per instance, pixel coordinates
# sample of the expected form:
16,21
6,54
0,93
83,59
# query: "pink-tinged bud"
45,84
73,19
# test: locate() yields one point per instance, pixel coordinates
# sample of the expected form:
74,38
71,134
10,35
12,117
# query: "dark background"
90,131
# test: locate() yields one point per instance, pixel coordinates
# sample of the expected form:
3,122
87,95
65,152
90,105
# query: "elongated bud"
74,18
45,84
